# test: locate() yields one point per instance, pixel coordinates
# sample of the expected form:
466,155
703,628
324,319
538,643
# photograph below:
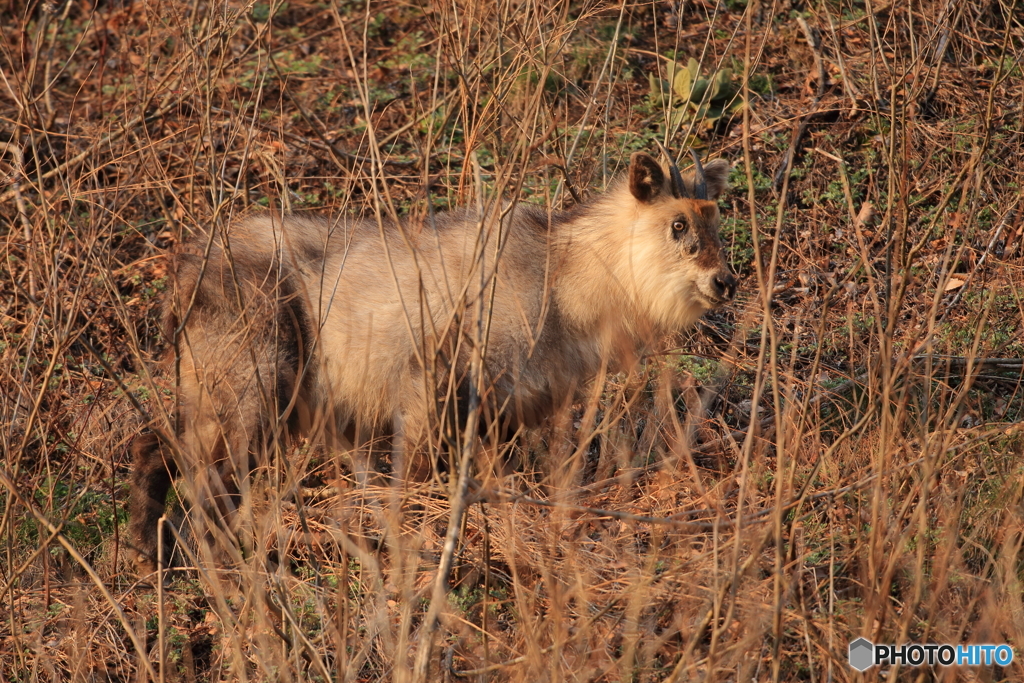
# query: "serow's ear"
646,177
716,175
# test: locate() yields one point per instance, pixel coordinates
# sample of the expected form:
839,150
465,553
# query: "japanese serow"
346,329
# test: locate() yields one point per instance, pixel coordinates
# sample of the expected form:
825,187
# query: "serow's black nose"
725,285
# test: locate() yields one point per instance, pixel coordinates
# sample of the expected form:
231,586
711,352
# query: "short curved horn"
700,183
678,188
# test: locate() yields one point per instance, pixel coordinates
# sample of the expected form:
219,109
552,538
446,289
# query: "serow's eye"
679,226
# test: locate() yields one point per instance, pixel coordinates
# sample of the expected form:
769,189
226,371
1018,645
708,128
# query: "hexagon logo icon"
861,654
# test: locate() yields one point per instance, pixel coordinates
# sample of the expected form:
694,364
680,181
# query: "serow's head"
677,258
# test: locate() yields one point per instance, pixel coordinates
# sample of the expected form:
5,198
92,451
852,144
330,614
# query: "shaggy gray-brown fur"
345,328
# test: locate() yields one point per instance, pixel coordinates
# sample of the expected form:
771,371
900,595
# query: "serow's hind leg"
153,472
230,428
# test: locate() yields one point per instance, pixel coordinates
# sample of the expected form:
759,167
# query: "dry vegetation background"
836,454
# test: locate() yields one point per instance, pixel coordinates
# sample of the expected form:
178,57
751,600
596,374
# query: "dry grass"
657,534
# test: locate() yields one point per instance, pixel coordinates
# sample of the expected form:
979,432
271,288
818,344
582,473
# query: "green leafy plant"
695,97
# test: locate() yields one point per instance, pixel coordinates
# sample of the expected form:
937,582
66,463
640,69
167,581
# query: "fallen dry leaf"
866,213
